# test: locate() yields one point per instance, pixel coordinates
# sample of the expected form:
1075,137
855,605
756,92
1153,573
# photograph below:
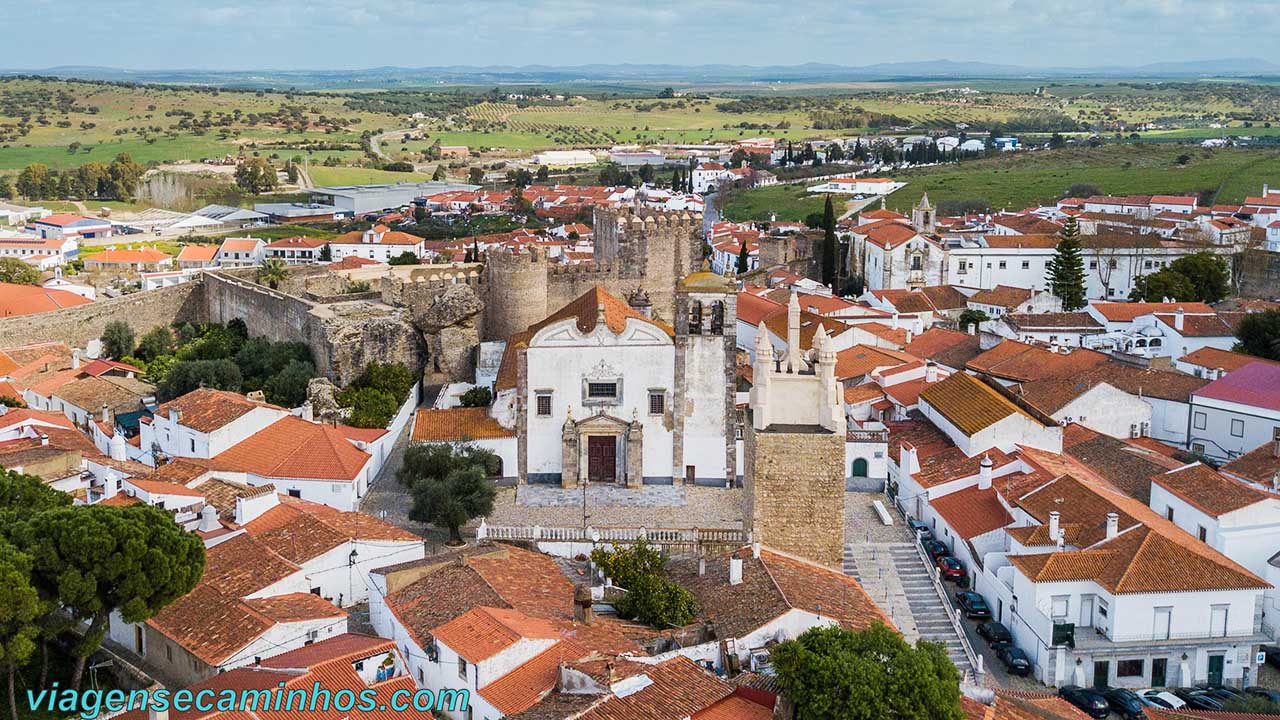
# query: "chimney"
158,713
909,335
208,519
702,567
106,414
972,328
1275,442
582,612
75,359
44,439
755,550
116,447
984,473
735,571
1113,525
1177,319
110,485
930,371
1054,529
895,321
308,413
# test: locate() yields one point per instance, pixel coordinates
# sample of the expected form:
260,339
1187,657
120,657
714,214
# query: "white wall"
1107,410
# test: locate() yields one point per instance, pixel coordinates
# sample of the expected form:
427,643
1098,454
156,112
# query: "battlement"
603,269
631,216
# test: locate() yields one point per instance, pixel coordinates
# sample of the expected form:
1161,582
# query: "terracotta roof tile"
946,347
294,448
735,707
456,424
482,632
28,299
524,686
1002,296
860,360
205,410
972,512
969,404
1209,491
295,607
1012,360
1126,312
1256,384
678,688
1260,465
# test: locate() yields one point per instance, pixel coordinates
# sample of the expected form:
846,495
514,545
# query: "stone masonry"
794,495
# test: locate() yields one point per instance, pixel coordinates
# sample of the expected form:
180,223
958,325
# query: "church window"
602,390
695,318
717,317
657,402
544,404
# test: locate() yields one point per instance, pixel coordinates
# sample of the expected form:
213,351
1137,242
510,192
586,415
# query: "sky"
352,34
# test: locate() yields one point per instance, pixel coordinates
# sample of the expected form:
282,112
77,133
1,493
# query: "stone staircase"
899,581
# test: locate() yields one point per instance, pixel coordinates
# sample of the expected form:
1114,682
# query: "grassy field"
1016,181
321,175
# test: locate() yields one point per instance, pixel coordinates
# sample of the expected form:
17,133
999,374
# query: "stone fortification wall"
794,492
77,325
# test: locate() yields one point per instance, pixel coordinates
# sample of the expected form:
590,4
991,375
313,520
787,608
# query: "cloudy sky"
345,34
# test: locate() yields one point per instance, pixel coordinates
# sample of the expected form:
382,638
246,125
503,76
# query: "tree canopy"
13,270
832,673
117,339
1066,268
255,175
449,484
1208,274
1259,335
651,598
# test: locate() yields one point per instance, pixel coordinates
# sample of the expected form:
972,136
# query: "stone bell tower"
794,447
923,216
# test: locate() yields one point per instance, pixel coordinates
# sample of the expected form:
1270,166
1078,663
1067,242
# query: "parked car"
1268,693
973,605
951,569
1091,702
1161,699
1221,692
1198,699
1125,703
921,530
934,549
994,632
1015,661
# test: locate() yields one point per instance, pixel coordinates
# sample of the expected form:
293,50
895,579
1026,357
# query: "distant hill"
390,77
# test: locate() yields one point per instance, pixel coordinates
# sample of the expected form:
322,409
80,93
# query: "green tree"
476,397
419,214
744,260
475,176
449,485
542,174
123,177
972,317
1066,268
1208,274
830,245
439,174
20,608
6,187
95,560
405,258
1163,284
13,270
871,674
255,175
272,272
1259,335
651,598
117,339
288,387
158,341
32,181
370,407
187,375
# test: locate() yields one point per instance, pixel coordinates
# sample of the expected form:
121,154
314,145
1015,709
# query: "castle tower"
923,217
704,412
515,291
795,447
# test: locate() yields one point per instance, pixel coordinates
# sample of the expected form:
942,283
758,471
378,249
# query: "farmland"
1017,180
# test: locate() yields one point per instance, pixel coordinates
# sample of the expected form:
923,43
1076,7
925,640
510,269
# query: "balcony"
869,431
1095,638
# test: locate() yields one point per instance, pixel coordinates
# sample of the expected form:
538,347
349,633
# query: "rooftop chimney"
1177,319
582,612
984,473
75,359
116,447
208,519
1054,529
930,371
895,321
308,413
1113,525
106,414
158,714
755,550
1275,442
735,571
972,328
702,567
44,439
110,485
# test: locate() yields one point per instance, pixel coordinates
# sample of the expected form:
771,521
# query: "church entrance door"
602,456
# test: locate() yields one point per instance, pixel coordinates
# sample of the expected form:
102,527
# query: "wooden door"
602,455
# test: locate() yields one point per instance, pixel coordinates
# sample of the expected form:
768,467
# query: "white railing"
656,536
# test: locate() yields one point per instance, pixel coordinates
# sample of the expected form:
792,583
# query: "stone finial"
794,362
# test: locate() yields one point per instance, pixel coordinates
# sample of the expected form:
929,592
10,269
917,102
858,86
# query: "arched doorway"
859,468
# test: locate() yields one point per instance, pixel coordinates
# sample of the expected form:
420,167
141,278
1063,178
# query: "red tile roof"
29,299
1002,296
524,686
972,512
197,253
1209,491
141,255
294,448
482,632
205,409
1126,312
456,424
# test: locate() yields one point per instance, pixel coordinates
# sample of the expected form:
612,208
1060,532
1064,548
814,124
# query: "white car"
1161,699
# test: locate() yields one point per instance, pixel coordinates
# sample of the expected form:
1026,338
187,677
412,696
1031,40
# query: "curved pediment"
565,333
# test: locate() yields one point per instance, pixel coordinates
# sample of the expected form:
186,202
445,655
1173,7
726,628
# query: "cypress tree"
743,259
829,244
1066,269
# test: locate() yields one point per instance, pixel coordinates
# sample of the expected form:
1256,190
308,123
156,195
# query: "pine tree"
829,244
1066,269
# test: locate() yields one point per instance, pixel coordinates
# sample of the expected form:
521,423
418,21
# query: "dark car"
994,632
1268,693
1221,692
1015,661
1197,699
934,548
1092,702
1125,703
973,605
951,569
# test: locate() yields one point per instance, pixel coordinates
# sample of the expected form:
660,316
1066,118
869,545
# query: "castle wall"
77,325
794,492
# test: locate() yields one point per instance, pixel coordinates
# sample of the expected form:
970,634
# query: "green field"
321,175
1016,181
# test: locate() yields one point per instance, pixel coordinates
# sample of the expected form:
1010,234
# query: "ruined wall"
77,325
343,337
1257,273
794,492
